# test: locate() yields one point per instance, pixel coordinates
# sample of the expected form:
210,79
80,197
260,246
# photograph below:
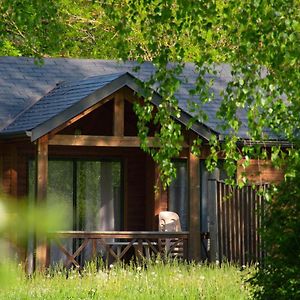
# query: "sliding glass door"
88,192
97,201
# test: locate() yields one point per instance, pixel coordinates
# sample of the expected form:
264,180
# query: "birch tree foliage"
43,28
260,39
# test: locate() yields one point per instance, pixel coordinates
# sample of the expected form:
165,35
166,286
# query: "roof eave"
184,118
17,134
266,143
80,106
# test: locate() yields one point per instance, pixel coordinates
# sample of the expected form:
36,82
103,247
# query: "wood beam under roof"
118,126
101,141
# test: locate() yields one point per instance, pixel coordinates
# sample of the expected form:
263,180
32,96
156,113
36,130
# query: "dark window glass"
178,193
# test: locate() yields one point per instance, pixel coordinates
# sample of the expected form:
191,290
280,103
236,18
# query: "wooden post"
213,220
194,208
118,115
41,195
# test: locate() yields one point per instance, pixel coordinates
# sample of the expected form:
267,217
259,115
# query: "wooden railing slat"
142,241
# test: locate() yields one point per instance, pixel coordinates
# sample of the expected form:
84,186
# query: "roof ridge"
94,76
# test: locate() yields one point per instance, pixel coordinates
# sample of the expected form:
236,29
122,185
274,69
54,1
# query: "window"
178,193
89,192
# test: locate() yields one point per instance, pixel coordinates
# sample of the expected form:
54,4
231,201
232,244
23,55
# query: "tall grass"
157,280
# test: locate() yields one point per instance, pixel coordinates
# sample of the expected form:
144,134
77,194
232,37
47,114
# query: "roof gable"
23,83
65,101
69,99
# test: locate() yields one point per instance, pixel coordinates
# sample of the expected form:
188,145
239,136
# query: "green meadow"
156,280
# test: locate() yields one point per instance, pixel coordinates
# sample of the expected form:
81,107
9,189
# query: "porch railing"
118,245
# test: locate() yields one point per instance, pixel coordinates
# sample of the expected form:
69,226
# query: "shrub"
279,276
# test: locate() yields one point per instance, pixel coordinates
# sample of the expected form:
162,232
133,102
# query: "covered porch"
93,162
73,140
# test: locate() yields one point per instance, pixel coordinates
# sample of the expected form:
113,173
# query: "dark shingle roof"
31,94
62,97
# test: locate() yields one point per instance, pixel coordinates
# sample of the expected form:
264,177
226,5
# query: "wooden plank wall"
239,215
1,169
15,175
259,172
9,164
136,191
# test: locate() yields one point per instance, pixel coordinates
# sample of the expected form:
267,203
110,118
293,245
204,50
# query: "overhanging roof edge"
124,80
80,106
184,118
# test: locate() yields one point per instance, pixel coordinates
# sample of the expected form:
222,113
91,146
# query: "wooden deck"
118,245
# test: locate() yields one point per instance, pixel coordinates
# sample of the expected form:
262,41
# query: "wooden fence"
235,217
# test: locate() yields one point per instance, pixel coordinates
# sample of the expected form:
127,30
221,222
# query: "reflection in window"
88,192
178,193
98,195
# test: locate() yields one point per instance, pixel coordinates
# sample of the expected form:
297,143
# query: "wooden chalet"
68,134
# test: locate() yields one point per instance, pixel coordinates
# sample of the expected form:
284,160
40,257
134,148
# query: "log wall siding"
97,122
9,169
150,207
14,166
22,175
6,172
15,175
136,191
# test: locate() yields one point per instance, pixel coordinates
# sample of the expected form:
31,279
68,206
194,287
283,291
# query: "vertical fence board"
236,236
213,220
224,224
219,213
221,221
239,217
238,220
254,225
